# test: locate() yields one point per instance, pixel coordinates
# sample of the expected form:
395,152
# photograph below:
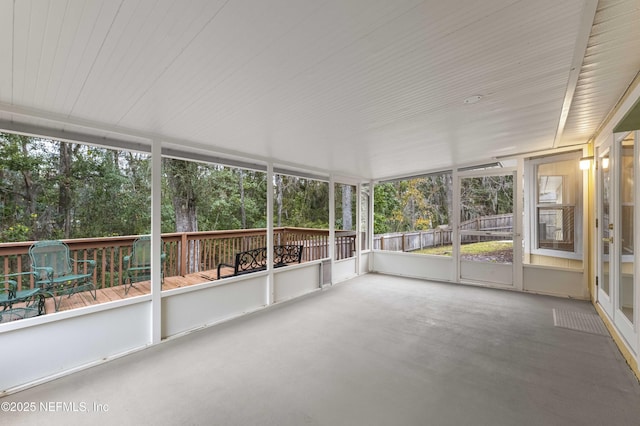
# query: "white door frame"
604,299
516,235
611,303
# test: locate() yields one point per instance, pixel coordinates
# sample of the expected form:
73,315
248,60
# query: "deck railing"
186,252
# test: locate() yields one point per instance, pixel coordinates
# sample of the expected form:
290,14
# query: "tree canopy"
51,190
427,202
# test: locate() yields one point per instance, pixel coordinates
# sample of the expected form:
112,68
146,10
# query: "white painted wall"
439,268
538,279
364,262
45,347
296,280
193,307
343,269
500,274
555,281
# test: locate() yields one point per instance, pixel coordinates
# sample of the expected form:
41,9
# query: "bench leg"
41,307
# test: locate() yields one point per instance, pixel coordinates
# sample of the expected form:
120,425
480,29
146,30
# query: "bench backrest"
256,259
283,255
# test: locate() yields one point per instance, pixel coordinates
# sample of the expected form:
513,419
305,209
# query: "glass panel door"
616,231
605,227
486,228
623,239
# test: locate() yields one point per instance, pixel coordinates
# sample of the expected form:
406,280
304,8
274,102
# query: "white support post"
270,187
332,224
371,225
455,233
156,242
518,213
357,225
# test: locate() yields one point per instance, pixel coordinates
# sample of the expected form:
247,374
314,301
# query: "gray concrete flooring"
376,350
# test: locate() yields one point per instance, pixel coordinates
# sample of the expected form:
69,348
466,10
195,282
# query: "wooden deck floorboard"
109,294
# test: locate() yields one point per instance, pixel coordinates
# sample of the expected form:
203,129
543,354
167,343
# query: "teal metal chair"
137,265
57,274
18,304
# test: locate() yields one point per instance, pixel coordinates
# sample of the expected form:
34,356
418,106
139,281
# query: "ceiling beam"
586,23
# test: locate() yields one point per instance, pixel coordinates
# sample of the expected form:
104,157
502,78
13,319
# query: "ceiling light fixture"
472,99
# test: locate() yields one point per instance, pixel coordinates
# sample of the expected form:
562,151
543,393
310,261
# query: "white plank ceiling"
362,88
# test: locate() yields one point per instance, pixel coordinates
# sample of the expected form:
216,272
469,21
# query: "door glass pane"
605,180
625,281
365,197
345,223
486,219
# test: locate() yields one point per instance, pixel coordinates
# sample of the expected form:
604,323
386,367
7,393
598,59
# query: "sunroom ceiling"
363,88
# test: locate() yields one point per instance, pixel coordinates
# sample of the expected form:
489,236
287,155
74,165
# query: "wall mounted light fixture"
585,163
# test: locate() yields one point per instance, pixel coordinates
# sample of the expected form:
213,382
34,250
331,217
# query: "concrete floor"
377,350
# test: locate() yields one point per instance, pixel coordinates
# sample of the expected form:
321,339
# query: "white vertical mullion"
455,232
332,224
615,261
370,225
530,213
518,210
358,219
587,220
156,242
270,284
636,236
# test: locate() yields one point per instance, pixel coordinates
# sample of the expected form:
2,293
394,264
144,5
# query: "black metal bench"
256,260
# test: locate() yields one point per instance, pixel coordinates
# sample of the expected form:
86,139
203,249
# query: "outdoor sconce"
605,163
585,163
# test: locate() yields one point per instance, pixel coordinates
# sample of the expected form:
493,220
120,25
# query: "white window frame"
533,205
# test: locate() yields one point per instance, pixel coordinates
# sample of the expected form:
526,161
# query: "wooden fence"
187,252
417,240
410,241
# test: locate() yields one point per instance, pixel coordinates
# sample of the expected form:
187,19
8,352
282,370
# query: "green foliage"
51,190
385,204
15,233
426,203
303,202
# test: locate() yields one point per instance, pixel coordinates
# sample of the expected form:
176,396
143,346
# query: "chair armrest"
9,287
43,273
11,280
20,274
90,263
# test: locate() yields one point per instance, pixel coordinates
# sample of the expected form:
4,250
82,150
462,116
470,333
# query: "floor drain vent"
589,323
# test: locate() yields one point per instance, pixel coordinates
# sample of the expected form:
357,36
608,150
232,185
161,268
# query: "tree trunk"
182,176
347,223
243,214
65,197
279,191
449,194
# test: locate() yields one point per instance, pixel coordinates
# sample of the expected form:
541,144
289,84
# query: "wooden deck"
109,294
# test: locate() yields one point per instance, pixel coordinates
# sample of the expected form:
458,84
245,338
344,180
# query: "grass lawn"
491,251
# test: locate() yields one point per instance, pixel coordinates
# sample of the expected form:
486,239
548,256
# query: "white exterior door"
617,231
487,239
